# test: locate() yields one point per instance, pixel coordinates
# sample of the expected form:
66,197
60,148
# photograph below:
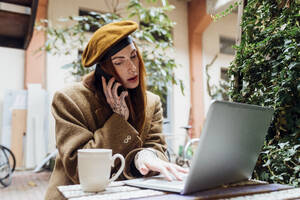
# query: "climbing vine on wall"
266,72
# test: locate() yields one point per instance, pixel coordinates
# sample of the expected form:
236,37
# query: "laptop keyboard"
161,181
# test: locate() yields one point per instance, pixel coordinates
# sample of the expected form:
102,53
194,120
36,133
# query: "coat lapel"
147,122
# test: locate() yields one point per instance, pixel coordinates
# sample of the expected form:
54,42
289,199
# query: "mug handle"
121,168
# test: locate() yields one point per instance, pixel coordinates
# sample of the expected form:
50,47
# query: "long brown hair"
136,100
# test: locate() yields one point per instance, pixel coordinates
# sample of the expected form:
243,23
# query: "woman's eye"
117,63
133,56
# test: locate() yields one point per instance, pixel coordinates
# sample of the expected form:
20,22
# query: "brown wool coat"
81,122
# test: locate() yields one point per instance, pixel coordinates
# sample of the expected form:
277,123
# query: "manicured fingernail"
143,169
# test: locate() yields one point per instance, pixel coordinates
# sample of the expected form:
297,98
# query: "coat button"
126,140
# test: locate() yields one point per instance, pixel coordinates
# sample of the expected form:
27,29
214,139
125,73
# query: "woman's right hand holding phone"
117,103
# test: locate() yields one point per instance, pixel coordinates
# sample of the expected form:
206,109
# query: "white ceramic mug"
94,166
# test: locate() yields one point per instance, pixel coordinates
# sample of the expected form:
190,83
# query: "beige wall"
58,78
226,27
11,73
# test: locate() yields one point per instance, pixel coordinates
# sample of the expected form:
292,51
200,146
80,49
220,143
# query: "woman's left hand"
148,161
117,103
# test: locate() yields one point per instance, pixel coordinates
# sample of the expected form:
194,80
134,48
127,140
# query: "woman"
93,114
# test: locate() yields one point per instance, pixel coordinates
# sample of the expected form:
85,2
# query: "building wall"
11,73
57,78
226,27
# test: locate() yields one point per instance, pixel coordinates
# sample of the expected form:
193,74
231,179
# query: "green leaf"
296,147
132,14
297,168
294,65
282,145
265,152
287,159
267,163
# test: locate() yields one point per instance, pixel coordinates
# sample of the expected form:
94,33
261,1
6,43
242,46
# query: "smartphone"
107,78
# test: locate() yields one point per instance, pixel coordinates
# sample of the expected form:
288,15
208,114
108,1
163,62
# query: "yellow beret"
105,37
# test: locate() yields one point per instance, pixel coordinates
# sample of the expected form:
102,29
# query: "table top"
248,190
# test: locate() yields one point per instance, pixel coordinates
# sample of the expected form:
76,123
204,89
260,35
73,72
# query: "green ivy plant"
266,72
154,38
279,163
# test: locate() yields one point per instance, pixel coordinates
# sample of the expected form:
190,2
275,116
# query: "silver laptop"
229,145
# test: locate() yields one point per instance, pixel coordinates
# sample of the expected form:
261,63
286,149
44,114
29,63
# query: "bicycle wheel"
6,168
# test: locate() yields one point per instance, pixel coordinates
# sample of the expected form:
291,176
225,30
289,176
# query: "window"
226,45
